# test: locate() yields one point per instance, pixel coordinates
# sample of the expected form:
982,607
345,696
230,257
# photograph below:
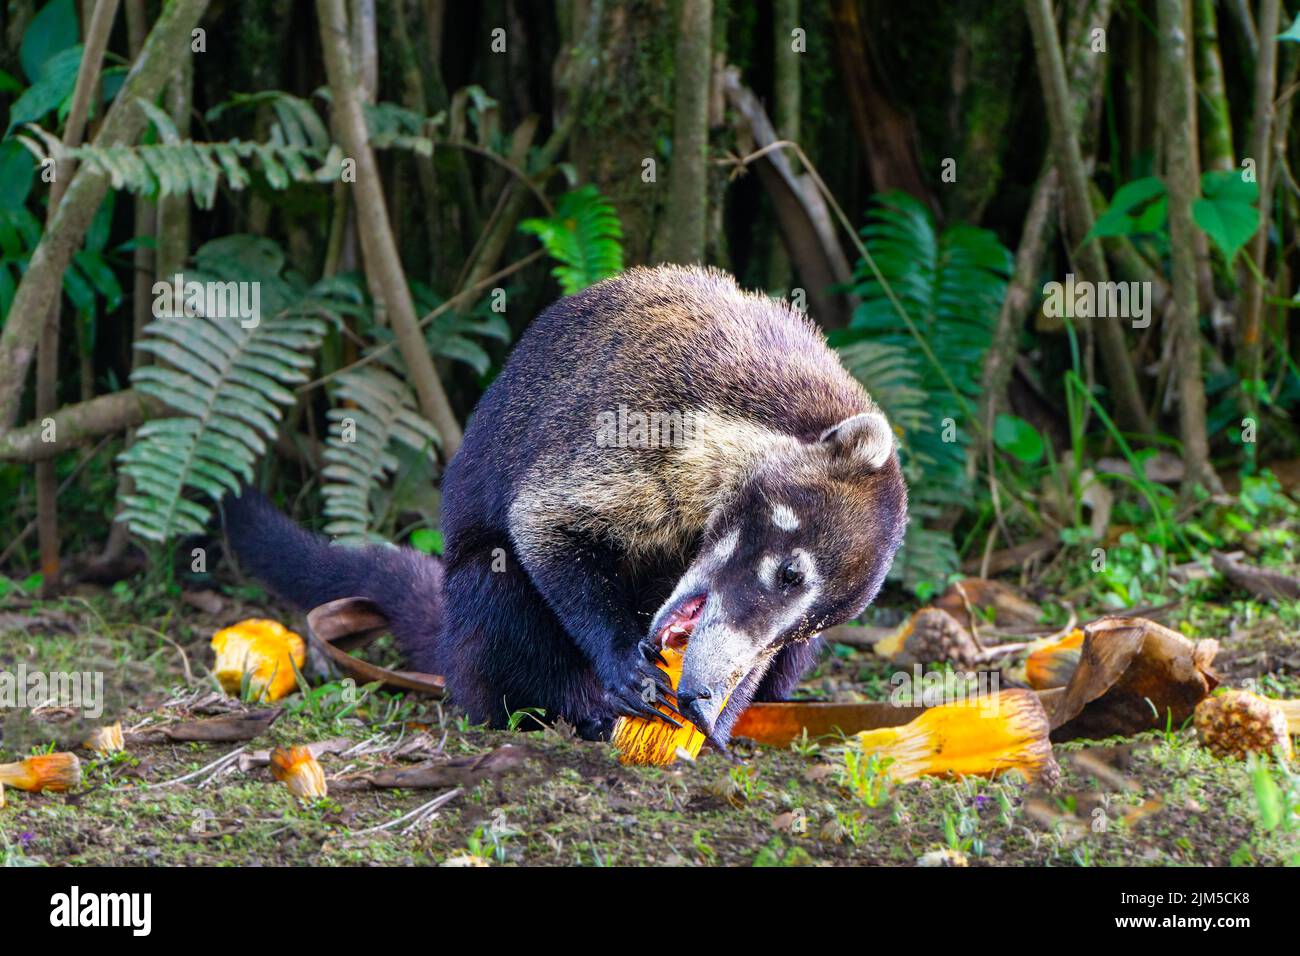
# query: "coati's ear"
865,440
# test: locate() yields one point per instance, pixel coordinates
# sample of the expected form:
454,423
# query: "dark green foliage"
950,285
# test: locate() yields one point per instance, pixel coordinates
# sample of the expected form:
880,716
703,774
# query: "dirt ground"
543,797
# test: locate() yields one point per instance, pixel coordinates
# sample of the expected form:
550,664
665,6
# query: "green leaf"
17,170
1017,437
50,89
1268,797
1292,33
1227,211
427,540
1137,207
52,30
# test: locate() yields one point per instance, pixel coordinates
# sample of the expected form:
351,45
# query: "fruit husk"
778,724
56,773
986,736
1134,675
1054,663
298,769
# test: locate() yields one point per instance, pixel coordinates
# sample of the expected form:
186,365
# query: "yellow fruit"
298,769
54,772
641,740
983,737
264,650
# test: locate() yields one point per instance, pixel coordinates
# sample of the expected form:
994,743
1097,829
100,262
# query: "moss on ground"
1163,800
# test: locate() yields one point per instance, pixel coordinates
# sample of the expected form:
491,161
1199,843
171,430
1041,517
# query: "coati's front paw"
641,689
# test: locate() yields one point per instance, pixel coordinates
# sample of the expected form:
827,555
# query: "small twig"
419,814
213,768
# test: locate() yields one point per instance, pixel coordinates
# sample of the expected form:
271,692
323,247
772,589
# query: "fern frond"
229,378
374,412
584,237
186,167
951,285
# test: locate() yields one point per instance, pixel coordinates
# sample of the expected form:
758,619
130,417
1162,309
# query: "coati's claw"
652,652
633,705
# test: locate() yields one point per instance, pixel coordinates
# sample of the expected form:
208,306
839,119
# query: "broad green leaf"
1227,211
52,30
427,540
1130,210
1017,437
17,170
50,89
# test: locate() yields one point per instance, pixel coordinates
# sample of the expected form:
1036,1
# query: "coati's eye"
791,574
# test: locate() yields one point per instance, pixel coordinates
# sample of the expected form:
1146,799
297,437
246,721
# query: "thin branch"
75,424
382,257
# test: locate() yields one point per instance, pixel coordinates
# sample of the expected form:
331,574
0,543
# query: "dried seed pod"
264,650
1236,723
298,769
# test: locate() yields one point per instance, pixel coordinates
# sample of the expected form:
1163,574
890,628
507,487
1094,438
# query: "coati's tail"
307,570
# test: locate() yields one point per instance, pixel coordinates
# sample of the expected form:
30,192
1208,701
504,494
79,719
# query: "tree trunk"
1216,120
1183,188
886,134
786,95
1261,138
1069,161
142,279
47,363
1085,77
689,184
382,258
625,116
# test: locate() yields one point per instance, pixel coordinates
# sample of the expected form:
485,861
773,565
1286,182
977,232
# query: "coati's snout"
803,545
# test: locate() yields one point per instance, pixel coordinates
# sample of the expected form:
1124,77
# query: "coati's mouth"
681,621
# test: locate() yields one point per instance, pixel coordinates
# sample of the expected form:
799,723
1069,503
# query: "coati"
576,547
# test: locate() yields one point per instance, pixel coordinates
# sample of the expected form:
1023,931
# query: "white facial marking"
784,518
725,548
767,570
